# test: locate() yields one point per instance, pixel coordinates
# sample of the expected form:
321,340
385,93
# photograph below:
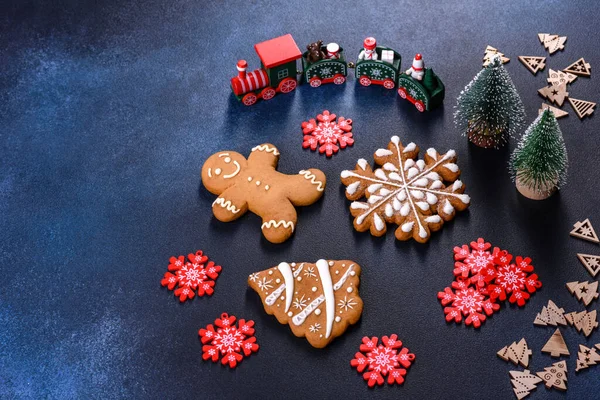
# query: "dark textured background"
107,114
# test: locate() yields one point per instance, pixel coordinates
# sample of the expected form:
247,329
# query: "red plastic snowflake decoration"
191,276
382,360
328,135
483,278
229,342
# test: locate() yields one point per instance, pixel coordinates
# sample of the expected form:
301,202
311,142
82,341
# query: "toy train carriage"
384,70
278,73
426,94
325,71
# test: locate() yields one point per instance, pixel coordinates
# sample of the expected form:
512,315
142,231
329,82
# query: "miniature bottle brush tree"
489,109
539,163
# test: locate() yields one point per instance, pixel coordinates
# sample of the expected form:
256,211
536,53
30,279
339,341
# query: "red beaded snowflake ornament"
328,135
382,360
194,275
229,342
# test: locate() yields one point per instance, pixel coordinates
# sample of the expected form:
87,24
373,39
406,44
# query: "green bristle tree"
539,163
489,109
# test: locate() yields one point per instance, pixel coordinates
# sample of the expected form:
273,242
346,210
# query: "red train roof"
278,51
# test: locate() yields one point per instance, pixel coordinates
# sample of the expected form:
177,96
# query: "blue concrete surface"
107,112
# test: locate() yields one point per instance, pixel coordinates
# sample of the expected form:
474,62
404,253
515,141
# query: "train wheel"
249,99
402,93
268,93
364,80
388,84
339,79
315,82
287,85
419,105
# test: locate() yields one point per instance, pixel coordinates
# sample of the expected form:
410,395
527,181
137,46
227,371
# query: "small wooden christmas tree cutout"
583,321
556,94
585,292
579,67
582,108
555,78
558,113
490,52
550,315
552,43
584,230
523,383
555,376
556,345
586,357
533,63
590,262
517,353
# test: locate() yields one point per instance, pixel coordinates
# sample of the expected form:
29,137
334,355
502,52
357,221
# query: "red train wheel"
402,93
388,84
364,80
419,105
249,99
339,79
268,93
287,85
315,82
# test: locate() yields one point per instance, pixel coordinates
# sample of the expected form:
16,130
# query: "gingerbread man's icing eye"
227,160
217,171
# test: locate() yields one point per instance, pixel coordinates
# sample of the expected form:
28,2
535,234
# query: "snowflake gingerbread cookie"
328,135
229,342
318,301
382,360
194,275
255,185
417,195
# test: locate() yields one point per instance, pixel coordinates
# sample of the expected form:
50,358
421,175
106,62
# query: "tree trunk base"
534,194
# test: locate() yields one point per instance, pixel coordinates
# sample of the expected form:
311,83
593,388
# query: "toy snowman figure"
368,52
333,50
417,70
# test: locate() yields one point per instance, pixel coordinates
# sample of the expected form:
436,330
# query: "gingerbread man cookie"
255,185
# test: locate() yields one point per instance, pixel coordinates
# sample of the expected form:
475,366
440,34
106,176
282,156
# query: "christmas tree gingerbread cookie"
318,301
255,185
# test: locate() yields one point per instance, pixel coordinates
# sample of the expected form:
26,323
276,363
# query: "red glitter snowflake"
328,135
382,360
228,341
191,276
482,279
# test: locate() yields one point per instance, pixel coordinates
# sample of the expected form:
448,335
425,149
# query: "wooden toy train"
376,65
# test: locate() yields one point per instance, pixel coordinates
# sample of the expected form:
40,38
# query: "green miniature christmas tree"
429,80
489,108
539,163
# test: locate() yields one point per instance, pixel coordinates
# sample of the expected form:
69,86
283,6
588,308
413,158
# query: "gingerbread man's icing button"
232,184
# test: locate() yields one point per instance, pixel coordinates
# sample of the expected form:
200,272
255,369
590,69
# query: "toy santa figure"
368,53
333,50
418,68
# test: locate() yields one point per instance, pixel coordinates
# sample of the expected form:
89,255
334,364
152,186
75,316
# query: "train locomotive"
321,64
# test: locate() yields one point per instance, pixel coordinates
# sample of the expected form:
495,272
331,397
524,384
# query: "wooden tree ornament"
584,230
490,52
583,321
582,108
550,315
552,43
558,113
579,67
556,345
555,94
555,376
555,78
586,357
590,262
523,383
585,292
517,353
533,63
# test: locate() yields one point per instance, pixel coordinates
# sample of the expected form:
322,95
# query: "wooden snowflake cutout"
416,195
194,275
328,134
